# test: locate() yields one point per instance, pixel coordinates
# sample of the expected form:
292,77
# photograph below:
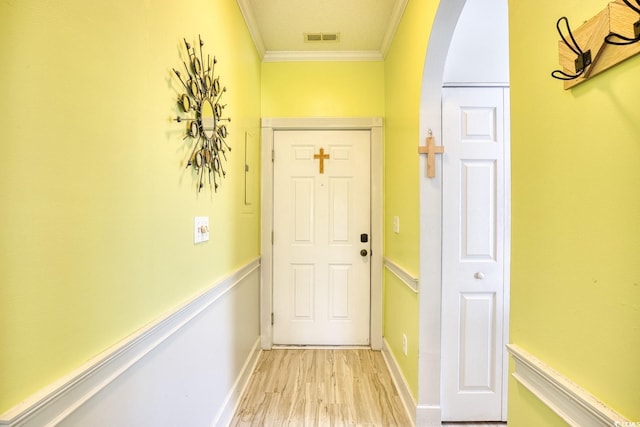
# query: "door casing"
269,126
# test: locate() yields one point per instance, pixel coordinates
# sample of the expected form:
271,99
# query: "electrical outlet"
404,344
200,229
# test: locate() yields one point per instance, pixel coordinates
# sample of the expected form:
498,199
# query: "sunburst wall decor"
203,114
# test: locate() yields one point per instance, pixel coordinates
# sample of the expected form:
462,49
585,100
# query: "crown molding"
394,23
323,55
301,56
254,31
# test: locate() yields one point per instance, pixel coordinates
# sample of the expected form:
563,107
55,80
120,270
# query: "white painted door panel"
473,254
321,282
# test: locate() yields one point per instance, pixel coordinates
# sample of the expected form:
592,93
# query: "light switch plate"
200,229
396,224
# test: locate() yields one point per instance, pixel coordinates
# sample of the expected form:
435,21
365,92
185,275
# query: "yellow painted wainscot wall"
575,286
96,217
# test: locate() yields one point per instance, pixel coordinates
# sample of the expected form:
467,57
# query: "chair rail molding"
568,400
100,391
407,278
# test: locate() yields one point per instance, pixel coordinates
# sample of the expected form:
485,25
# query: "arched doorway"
429,408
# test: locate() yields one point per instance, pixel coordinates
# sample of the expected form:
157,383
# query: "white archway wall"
428,408
453,58
479,50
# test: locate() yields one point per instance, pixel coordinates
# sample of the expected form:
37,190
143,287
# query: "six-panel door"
321,279
473,254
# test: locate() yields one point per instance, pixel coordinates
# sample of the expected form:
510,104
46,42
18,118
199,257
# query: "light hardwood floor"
321,387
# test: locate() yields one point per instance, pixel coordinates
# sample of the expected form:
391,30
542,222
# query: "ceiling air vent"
321,37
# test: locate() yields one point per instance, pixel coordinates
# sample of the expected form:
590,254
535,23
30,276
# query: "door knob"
363,252
479,275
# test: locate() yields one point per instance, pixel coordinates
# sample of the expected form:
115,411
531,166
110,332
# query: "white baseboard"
180,370
228,409
399,381
428,416
420,415
572,403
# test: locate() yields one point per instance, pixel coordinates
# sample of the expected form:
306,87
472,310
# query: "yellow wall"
401,318
323,89
403,84
96,217
97,210
576,235
575,287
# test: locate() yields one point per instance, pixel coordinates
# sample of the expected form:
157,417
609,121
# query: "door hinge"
271,319
272,237
273,155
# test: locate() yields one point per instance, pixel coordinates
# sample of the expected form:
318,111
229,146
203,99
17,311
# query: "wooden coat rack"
616,18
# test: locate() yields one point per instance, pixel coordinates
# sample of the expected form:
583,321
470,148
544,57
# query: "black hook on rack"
583,59
620,40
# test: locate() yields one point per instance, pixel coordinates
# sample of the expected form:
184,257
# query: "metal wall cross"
322,157
431,149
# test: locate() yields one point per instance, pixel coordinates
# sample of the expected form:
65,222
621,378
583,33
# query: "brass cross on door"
322,157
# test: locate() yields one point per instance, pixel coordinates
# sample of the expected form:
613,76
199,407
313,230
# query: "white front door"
321,246
473,253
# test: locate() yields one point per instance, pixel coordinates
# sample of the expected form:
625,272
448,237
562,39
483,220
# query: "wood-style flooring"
324,387
321,387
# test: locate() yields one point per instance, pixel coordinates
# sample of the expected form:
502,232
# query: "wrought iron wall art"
201,104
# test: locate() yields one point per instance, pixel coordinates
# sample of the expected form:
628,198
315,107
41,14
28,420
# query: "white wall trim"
399,381
269,125
231,403
405,277
56,402
321,123
506,303
571,402
322,56
394,23
252,26
471,84
297,56
428,416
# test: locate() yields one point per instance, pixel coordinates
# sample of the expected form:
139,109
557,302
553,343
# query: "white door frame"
428,411
269,126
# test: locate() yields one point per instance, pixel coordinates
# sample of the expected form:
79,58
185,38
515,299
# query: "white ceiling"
366,28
